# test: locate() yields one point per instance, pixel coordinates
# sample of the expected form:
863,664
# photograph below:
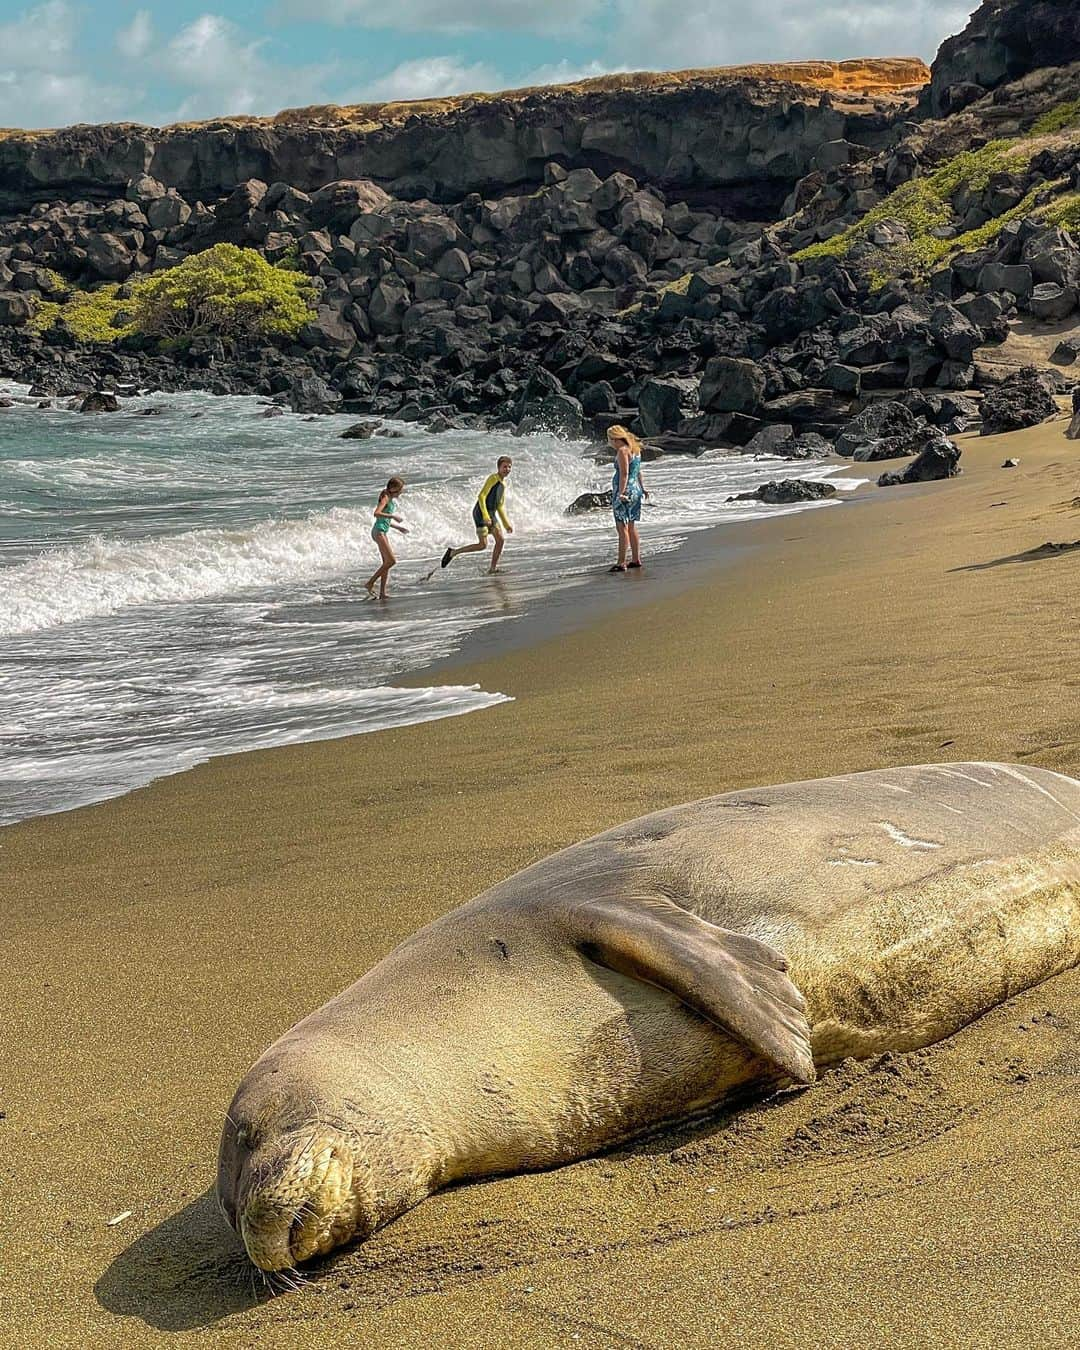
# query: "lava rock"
732,385
99,402
940,459
311,394
787,491
886,419
359,431
1022,400
589,501
1050,302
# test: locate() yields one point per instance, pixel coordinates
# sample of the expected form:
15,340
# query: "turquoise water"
186,584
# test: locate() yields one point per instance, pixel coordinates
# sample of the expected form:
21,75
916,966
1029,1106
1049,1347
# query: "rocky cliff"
1004,41
747,133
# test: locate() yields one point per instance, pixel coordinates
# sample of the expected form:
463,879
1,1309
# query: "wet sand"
152,946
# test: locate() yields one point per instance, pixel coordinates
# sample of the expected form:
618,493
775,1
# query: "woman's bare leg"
622,530
635,543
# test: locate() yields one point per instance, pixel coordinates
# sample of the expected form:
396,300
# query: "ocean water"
190,583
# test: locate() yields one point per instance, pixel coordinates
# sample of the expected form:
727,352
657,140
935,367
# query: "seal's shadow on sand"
189,1272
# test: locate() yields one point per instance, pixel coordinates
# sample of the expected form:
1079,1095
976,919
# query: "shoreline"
159,941
575,599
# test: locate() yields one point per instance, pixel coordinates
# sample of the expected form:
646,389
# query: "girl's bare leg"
622,529
388,560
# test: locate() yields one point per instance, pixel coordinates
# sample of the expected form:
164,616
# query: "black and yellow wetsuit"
490,502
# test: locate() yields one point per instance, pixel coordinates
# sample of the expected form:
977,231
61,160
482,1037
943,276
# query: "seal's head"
290,1179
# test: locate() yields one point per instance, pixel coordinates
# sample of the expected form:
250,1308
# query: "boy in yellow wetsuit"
489,511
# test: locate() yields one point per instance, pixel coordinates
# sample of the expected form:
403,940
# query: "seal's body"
647,974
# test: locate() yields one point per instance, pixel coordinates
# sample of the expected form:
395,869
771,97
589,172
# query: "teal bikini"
382,523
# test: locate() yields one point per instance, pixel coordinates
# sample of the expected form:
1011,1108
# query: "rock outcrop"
1005,40
749,133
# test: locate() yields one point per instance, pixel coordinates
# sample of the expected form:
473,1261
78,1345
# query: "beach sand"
152,946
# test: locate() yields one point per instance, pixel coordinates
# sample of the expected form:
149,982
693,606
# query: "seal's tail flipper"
734,980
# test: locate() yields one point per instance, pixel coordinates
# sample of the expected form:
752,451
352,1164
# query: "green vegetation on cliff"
1065,115
924,205
925,208
224,291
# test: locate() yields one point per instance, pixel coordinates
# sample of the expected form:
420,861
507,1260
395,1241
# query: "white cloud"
565,72
38,85
731,32
453,16
225,73
136,39
430,77
39,39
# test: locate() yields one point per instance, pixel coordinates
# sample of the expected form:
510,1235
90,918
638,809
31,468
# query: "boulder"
429,237
359,431
239,206
142,189
897,447
731,384
108,257
99,402
1015,278
768,439
389,301
589,501
558,414
338,204
329,328
939,459
1022,400
788,491
311,394
660,406
167,211
1050,302
886,419
16,307
954,334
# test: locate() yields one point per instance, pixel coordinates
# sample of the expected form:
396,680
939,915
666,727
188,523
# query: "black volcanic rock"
1023,400
1004,40
788,491
940,459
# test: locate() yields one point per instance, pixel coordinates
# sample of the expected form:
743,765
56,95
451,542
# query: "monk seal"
645,975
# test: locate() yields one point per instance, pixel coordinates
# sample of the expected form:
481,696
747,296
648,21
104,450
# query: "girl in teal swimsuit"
384,520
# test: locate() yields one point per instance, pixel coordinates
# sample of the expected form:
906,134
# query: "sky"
65,61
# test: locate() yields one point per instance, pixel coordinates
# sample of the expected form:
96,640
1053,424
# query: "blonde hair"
621,434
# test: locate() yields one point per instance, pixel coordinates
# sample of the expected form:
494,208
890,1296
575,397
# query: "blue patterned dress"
629,511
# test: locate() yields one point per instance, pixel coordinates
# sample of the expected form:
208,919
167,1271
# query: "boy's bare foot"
634,564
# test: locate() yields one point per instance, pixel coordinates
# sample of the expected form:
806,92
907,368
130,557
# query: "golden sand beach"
153,945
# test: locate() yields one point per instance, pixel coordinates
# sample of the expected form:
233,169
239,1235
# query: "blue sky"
64,61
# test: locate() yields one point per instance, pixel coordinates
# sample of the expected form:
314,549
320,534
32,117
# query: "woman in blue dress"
627,491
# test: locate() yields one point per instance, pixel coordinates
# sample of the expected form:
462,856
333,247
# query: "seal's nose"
299,1205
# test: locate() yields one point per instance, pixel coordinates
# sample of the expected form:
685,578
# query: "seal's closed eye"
733,980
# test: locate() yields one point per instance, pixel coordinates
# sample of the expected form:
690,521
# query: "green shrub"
92,316
1057,119
225,291
1064,211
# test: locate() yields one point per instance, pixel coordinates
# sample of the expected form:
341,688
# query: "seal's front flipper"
734,980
